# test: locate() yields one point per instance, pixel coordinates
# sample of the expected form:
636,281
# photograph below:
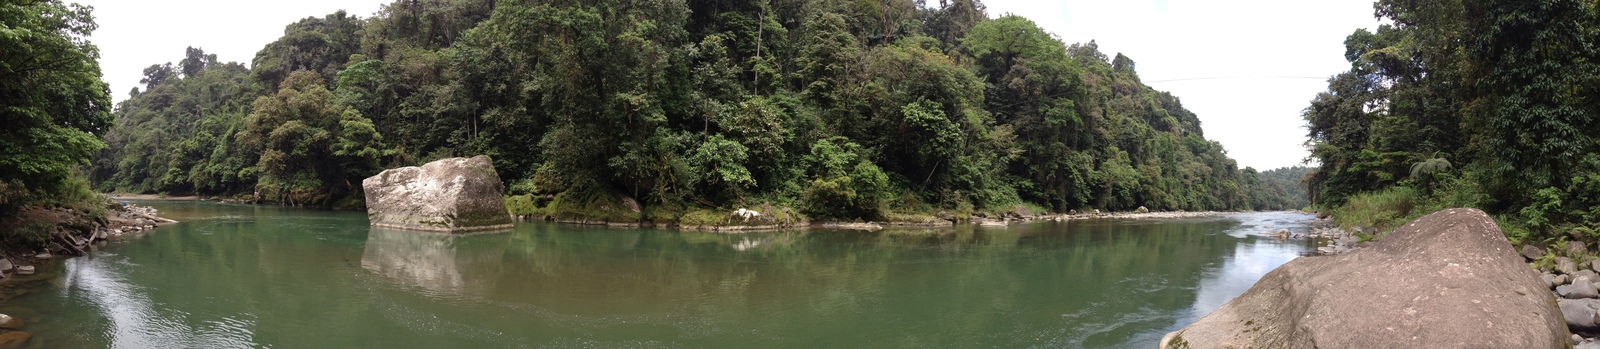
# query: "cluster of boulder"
1337,240
134,218
1570,273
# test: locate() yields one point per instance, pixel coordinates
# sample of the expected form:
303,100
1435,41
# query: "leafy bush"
1545,207
33,234
860,195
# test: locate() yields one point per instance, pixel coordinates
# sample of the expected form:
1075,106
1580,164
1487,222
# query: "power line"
1243,77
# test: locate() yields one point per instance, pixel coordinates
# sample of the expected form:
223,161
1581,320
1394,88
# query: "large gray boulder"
1447,280
448,195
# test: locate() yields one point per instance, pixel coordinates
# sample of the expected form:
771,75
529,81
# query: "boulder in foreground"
1447,280
447,195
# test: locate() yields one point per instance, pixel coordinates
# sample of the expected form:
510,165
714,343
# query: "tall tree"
53,105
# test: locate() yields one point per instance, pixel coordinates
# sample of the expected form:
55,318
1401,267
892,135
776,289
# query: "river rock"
1566,266
25,270
14,339
1446,280
448,195
1142,209
1588,345
10,323
1590,274
5,264
1580,288
1532,252
1579,313
1577,249
1549,279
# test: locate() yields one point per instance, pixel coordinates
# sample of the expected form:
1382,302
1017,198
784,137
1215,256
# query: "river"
257,276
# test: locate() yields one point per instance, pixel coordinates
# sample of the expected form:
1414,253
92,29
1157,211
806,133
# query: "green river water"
233,276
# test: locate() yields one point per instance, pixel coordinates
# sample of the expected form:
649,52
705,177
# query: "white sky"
1256,119
135,34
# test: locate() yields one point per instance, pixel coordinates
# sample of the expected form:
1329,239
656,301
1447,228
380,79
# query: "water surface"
251,276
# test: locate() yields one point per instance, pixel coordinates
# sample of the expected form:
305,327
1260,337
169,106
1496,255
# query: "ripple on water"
289,278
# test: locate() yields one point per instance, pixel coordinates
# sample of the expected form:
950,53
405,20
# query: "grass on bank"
1392,207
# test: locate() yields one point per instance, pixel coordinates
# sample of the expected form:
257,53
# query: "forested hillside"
1289,183
841,109
1489,104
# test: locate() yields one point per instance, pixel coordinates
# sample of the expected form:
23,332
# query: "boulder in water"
10,323
1447,280
14,339
447,195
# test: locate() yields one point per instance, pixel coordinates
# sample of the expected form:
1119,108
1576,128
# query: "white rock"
448,195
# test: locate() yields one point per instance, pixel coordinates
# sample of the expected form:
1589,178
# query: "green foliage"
849,110
53,105
704,217
524,206
859,195
33,234
1507,86
583,206
721,162
312,150
1385,209
1544,208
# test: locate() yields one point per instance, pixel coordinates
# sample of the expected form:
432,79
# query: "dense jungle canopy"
1492,104
845,109
53,105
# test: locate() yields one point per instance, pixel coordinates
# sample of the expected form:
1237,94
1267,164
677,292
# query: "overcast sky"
1246,67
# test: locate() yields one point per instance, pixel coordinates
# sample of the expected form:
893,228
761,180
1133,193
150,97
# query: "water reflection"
243,276
435,262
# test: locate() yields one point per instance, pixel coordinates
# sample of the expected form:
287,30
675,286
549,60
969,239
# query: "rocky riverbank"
1569,271
69,233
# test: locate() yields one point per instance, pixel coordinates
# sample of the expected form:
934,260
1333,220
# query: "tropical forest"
801,173
838,110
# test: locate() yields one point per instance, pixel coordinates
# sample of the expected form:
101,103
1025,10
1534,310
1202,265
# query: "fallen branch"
68,245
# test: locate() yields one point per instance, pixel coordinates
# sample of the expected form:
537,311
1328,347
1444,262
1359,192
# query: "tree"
312,150
52,102
195,61
845,109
